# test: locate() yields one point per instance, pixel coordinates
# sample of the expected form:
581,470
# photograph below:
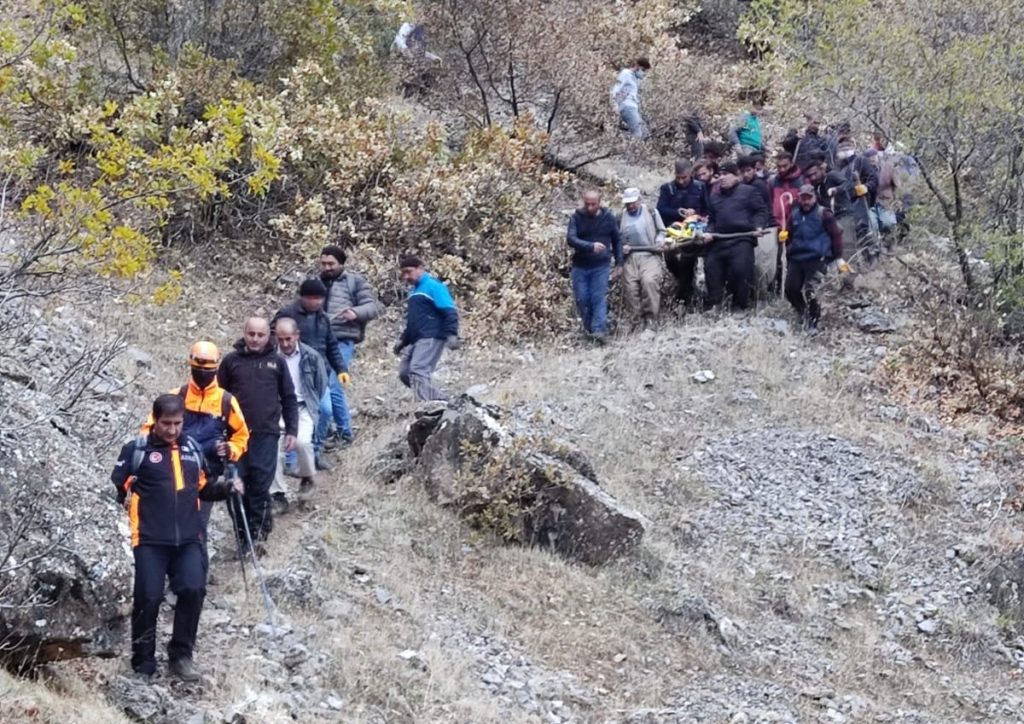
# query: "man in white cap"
643,241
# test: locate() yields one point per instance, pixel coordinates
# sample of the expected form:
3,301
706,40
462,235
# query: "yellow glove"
783,236
843,267
860,189
344,378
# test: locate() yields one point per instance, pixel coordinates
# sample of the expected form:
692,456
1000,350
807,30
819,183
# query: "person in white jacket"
626,96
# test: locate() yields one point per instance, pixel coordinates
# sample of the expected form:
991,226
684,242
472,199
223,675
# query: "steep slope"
816,551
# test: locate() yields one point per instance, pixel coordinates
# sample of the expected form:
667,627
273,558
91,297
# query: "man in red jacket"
160,479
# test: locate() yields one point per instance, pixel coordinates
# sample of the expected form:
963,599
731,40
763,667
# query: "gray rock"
874,322
474,463
928,626
294,585
107,389
142,359
1005,585
702,376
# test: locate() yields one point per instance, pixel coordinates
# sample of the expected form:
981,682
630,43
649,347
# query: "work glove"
344,378
397,349
860,190
452,342
783,236
842,266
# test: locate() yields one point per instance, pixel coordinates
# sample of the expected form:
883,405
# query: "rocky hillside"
814,547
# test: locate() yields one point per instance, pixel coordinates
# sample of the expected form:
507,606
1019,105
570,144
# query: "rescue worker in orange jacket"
213,418
160,478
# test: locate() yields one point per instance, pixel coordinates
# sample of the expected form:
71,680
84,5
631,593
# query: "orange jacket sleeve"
238,440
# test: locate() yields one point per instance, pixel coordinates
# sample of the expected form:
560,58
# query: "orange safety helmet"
204,356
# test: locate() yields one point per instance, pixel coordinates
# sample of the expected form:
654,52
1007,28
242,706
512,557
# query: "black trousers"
153,565
682,265
257,468
729,270
804,280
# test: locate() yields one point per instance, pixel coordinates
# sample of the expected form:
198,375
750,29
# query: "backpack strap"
225,405
138,454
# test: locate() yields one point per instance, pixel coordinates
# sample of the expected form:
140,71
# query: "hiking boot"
322,464
279,503
331,442
184,669
306,486
601,339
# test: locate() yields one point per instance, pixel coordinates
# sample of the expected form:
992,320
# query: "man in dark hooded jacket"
258,377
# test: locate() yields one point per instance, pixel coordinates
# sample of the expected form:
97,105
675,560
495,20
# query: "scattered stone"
702,376
1005,586
928,626
382,595
142,359
295,586
874,322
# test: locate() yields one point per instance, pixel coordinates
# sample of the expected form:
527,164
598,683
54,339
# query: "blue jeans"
590,290
334,406
634,122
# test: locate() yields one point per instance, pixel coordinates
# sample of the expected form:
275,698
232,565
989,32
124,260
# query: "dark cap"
807,190
729,167
312,288
410,262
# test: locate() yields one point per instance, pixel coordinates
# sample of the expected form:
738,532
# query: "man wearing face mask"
860,179
626,96
213,418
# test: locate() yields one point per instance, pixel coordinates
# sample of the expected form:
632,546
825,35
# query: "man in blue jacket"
431,326
593,235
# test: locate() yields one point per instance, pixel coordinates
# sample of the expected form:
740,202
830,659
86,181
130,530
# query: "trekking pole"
235,514
785,198
256,564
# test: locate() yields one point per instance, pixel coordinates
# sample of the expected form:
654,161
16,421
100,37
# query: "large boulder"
499,474
65,558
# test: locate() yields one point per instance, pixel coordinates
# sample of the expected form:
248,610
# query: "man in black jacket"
160,479
258,376
684,196
736,208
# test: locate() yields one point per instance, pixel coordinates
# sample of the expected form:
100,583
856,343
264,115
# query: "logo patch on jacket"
155,457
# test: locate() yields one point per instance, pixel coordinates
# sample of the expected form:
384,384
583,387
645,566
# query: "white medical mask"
639,73
843,155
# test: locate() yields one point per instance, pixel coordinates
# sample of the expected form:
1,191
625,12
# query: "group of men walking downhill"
225,435
824,194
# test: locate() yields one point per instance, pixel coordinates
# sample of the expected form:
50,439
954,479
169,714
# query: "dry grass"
633,409
72,702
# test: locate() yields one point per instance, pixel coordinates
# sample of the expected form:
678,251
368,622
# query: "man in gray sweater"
350,305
